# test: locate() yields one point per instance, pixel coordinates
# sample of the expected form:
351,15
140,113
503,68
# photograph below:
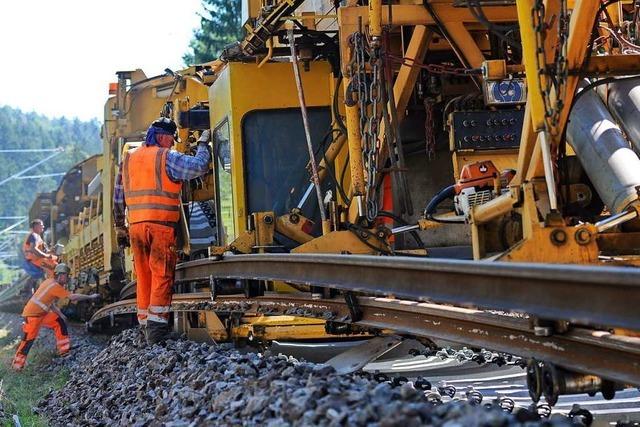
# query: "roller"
605,155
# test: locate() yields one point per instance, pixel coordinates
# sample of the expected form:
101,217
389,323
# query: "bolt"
268,219
558,237
583,236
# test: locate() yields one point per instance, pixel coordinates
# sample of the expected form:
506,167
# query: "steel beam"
581,294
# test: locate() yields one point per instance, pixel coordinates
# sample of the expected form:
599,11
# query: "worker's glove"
204,137
122,237
95,296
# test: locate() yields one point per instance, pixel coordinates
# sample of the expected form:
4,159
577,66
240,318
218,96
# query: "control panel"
486,130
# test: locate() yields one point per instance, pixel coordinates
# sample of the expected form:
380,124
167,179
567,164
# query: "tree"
220,26
19,130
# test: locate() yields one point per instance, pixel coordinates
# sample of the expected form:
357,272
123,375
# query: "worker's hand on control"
94,296
204,137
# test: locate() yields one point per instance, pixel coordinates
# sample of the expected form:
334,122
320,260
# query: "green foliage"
20,130
7,275
220,26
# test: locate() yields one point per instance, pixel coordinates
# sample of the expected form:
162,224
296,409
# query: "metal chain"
374,129
429,129
556,73
365,72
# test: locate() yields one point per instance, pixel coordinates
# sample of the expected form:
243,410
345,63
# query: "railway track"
589,295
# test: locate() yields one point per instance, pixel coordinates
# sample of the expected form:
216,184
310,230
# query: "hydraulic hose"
441,196
444,194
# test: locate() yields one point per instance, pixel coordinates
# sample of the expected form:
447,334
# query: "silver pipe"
305,120
615,220
305,196
548,169
404,229
612,167
623,100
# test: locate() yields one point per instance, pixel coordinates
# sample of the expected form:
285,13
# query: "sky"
58,57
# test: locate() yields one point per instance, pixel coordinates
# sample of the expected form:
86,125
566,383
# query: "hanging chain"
365,72
429,128
556,73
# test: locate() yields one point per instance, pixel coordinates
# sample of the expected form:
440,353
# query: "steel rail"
581,350
582,294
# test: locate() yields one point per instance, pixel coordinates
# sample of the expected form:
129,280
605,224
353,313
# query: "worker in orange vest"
148,187
41,311
39,261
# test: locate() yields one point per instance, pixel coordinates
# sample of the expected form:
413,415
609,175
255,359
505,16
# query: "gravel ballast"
183,383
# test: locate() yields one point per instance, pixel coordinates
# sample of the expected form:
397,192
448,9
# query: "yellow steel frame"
533,187
534,160
459,23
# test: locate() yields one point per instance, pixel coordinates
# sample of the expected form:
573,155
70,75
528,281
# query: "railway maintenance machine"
373,160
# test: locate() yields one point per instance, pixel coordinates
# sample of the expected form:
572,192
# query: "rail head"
583,294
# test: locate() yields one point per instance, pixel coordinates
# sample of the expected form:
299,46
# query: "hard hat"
165,124
61,268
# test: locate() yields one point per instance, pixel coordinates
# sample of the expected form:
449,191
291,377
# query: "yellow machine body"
241,90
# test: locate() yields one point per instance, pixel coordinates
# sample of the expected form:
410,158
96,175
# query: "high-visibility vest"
46,294
149,193
27,249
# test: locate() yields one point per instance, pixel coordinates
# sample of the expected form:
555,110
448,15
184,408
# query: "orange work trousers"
154,261
31,328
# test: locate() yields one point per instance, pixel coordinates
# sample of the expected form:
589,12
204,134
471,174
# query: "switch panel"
486,130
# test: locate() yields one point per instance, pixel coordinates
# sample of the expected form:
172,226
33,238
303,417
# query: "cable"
584,66
336,110
600,82
432,206
330,170
476,10
441,196
342,175
446,34
413,233
357,230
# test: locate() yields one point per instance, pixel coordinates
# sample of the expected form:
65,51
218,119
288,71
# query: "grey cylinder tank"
614,169
624,104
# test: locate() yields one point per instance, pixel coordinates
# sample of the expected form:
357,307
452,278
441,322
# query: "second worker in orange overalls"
41,311
148,187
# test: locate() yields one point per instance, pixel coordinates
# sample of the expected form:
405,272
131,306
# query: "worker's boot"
157,332
145,332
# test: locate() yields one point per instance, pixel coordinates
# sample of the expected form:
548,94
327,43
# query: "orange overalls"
153,211
36,314
45,264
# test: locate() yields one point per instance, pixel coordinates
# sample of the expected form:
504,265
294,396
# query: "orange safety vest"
46,294
149,193
27,249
